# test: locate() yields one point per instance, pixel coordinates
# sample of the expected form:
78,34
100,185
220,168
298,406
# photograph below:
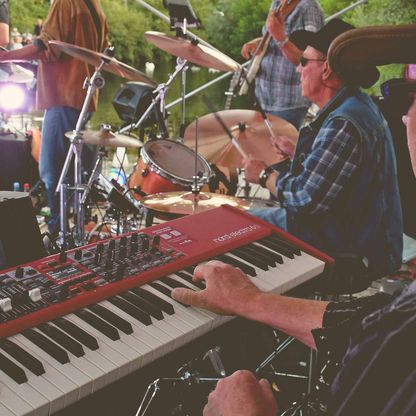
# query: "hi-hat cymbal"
10,72
198,54
95,58
248,127
104,138
186,203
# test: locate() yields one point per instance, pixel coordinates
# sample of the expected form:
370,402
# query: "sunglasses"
304,61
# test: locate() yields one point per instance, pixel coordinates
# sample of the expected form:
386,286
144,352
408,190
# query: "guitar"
284,8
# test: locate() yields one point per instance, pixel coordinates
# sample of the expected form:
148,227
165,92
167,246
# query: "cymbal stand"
159,95
102,153
92,85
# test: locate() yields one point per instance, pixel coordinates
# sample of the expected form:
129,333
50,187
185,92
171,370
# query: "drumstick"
266,119
226,129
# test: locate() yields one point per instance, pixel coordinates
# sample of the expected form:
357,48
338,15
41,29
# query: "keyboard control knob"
35,295
19,272
6,305
63,256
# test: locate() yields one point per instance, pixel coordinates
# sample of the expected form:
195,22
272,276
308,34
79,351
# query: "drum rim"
154,167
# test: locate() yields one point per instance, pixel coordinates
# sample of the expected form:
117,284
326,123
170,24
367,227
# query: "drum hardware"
101,61
96,82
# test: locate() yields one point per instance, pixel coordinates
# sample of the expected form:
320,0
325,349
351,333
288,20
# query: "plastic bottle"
26,187
16,186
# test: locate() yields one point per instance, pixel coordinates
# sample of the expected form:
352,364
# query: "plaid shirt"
369,344
277,83
334,157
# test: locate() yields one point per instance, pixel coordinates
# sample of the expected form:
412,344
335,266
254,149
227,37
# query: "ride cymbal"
104,138
95,58
198,54
248,127
186,203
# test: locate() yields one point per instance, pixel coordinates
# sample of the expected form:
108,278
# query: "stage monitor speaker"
20,237
132,100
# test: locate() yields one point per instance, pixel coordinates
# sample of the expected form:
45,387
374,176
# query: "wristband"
264,175
281,44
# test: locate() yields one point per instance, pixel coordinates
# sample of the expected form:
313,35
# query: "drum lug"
145,172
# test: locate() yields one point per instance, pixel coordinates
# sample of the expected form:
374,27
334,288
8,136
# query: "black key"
12,370
165,290
152,298
258,254
278,248
246,268
188,278
190,269
250,258
112,318
276,239
22,356
108,330
174,283
47,345
78,333
131,310
62,339
138,303
149,307
275,258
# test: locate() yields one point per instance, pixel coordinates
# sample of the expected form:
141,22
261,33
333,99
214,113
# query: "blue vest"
365,219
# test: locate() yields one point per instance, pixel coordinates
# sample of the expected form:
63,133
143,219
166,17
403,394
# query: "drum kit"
172,176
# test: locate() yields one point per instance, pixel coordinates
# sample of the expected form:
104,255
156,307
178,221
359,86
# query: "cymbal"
104,138
199,54
10,72
253,136
186,203
95,58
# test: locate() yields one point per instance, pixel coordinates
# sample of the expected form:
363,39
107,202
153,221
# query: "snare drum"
167,166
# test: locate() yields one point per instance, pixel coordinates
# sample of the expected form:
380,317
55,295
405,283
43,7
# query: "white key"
4,411
100,362
55,397
84,383
30,395
189,315
158,342
14,402
118,351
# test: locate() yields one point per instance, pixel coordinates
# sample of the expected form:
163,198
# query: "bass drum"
167,166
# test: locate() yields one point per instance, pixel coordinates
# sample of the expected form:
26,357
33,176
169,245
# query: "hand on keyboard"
228,290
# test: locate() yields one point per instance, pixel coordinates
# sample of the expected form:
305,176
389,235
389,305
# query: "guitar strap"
97,23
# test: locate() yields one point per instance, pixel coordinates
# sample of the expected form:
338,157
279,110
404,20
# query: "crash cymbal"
10,72
186,203
95,58
248,127
197,54
104,138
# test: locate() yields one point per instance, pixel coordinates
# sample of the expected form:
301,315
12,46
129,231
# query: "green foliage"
24,14
232,23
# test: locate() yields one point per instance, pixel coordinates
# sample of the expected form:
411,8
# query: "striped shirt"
277,83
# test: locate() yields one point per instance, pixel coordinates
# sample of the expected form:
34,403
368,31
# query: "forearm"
4,34
291,53
27,53
295,317
411,134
